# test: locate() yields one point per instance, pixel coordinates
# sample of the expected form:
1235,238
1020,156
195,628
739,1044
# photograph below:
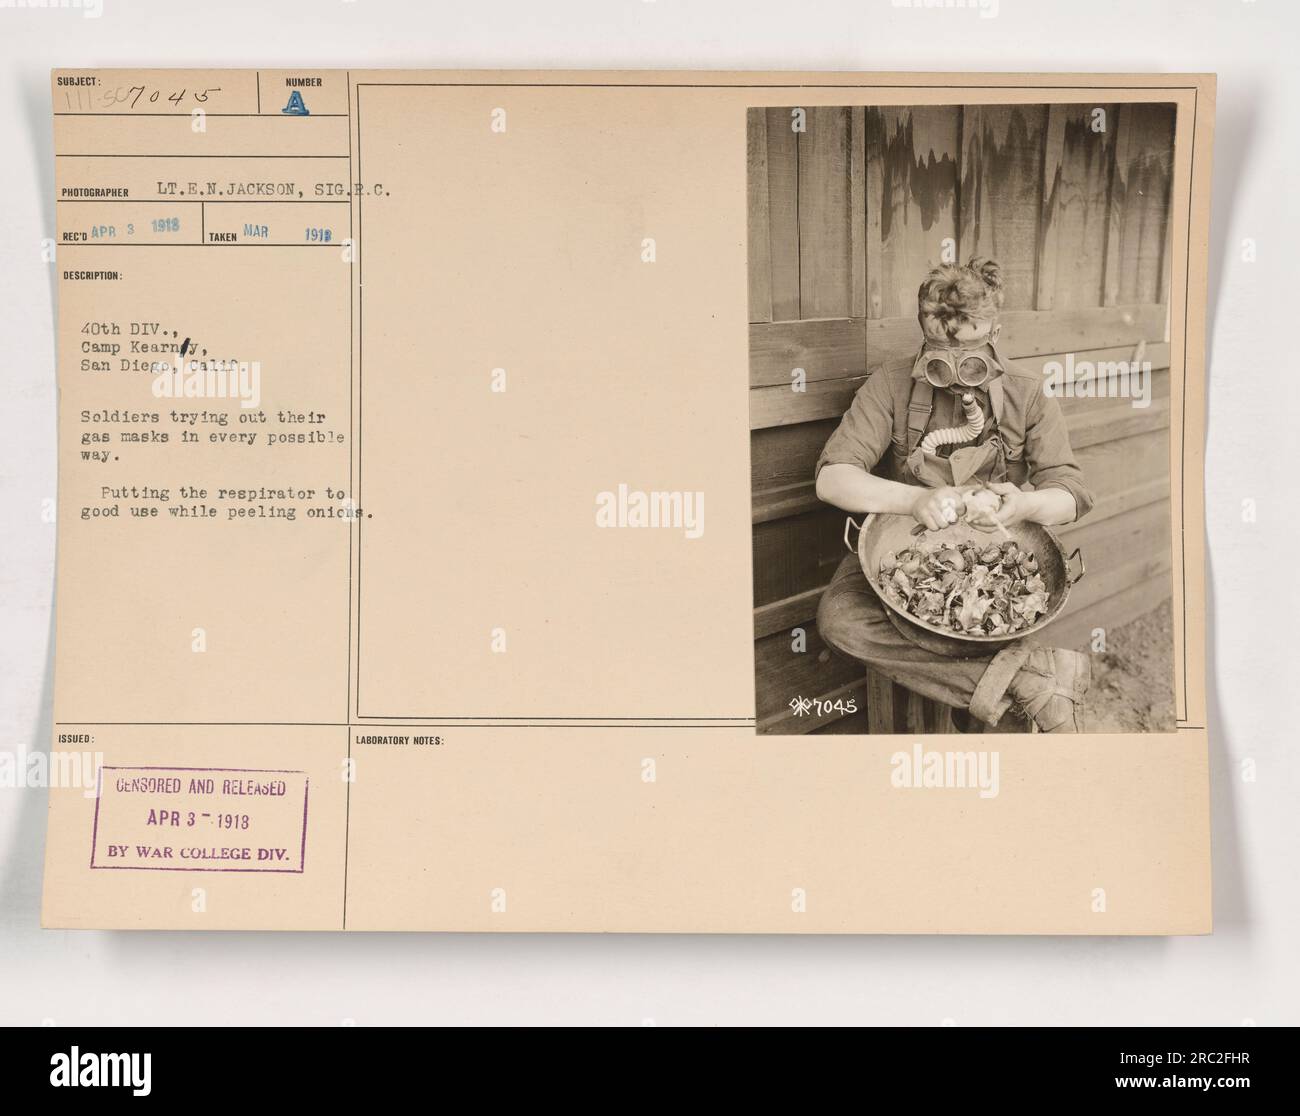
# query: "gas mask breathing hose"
955,435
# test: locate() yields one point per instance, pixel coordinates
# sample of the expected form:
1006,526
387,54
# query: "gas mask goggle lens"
961,367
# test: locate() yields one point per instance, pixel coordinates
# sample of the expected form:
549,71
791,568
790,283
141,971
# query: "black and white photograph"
959,411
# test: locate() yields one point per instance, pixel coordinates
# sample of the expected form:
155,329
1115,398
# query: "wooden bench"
894,709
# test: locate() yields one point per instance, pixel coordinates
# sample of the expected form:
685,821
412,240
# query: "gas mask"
957,367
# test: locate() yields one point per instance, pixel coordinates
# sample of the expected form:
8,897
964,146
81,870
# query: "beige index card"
442,541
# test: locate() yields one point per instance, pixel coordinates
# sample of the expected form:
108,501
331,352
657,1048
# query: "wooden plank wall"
845,218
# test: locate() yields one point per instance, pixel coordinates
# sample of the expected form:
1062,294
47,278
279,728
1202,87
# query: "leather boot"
1047,683
1050,686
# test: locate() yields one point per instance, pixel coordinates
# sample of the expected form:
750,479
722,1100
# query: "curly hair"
951,297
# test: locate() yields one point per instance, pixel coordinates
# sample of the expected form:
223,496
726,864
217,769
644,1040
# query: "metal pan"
881,533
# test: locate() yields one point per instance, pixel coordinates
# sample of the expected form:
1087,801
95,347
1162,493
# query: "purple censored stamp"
200,819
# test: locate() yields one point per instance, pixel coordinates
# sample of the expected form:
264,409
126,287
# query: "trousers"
853,622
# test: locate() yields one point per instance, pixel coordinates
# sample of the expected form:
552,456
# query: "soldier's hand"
937,508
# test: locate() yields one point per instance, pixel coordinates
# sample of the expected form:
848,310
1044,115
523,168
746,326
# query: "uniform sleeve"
1049,455
864,432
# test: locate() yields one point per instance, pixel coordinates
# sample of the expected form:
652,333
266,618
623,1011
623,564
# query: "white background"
1247,971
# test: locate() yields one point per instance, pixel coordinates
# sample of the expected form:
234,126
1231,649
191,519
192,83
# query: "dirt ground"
1133,679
